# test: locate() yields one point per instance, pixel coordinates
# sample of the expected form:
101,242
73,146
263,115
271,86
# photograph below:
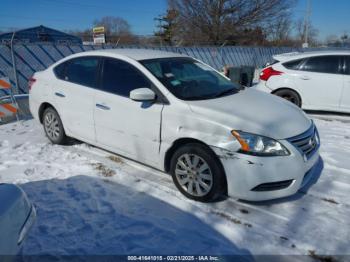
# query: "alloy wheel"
51,126
194,175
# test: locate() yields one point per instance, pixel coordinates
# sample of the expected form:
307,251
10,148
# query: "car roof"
133,53
297,55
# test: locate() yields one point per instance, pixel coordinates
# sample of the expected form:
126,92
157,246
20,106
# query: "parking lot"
90,201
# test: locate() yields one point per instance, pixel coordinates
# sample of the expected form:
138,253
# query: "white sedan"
179,115
311,80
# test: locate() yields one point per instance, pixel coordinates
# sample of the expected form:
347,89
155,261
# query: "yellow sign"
98,30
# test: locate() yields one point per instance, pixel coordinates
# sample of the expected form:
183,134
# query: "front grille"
273,186
307,143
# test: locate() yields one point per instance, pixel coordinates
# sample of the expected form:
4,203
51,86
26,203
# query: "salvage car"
311,80
179,115
17,215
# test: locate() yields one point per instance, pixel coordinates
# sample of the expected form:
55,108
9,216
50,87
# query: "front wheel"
197,173
53,126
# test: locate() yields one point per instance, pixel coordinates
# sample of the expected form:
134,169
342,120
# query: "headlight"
259,145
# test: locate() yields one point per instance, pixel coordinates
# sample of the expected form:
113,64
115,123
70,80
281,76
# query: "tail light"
31,81
268,72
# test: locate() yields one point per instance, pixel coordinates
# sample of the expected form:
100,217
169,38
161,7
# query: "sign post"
99,35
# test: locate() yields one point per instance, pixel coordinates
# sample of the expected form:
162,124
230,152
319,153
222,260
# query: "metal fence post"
14,90
14,64
221,49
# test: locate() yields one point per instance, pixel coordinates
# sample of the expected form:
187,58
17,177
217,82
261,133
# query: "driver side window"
120,77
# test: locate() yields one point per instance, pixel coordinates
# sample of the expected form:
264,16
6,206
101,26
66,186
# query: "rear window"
272,62
82,71
293,65
60,71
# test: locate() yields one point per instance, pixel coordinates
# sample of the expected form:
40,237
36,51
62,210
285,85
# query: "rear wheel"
197,173
53,126
289,95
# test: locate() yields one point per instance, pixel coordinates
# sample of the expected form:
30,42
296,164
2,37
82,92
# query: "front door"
123,125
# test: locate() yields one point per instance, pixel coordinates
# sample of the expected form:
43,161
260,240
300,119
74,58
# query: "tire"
53,127
289,95
192,178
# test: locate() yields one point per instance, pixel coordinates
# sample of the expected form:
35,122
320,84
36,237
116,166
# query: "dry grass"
104,170
116,159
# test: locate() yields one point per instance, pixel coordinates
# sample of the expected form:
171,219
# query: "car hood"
255,112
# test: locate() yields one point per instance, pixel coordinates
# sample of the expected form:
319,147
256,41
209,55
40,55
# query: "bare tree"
344,38
215,21
332,40
85,35
279,31
116,29
300,27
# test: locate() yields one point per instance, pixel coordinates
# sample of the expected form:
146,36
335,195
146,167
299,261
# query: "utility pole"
307,24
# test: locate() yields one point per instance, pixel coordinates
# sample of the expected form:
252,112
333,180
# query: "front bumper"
257,178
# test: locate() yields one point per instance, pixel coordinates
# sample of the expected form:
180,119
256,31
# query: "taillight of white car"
268,72
31,82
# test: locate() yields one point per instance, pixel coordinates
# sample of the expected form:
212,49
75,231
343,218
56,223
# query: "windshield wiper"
226,92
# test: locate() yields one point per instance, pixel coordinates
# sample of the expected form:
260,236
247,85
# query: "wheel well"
290,89
176,145
42,108
181,142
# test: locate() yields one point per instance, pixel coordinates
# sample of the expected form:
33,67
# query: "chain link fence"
30,58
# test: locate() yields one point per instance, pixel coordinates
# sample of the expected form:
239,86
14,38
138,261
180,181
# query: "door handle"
60,94
304,77
103,107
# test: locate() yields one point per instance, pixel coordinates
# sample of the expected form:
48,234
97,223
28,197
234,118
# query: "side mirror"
142,94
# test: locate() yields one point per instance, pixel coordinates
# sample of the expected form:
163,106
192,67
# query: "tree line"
216,22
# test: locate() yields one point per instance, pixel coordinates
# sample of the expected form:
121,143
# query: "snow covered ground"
90,201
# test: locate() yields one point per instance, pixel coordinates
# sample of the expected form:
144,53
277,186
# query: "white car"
176,114
311,80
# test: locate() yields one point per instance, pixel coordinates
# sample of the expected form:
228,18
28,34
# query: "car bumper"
261,86
257,178
34,107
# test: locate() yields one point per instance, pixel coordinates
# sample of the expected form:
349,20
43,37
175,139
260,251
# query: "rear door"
320,80
74,95
123,125
345,98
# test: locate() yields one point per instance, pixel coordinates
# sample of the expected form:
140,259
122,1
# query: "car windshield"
189,79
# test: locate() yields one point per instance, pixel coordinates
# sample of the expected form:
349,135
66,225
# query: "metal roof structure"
40,34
